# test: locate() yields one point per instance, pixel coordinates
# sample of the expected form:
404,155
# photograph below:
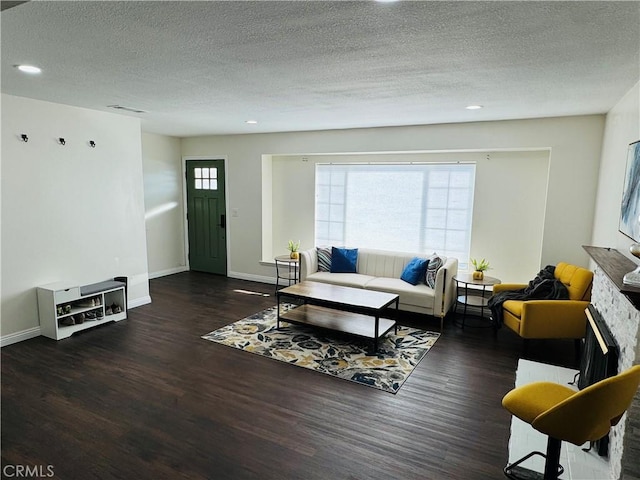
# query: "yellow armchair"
551,318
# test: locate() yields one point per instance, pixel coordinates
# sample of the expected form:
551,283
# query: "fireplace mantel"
615,265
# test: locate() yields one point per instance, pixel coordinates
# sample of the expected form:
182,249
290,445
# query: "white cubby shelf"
65,308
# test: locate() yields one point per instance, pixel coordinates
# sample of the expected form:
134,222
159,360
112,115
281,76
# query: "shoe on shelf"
66,321
116,308
90,315
100,314
87,302
78,318
108,311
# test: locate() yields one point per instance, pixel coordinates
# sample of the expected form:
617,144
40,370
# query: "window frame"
335,234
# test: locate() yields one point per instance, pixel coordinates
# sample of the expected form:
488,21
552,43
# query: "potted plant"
479,266
293,249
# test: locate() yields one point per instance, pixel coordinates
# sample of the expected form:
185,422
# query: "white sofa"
380,270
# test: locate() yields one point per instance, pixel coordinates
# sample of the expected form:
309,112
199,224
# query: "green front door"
206,216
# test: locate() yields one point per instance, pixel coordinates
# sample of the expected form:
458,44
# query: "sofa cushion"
356,280
344,260
324,259
435,262
414,271
419,295
380,263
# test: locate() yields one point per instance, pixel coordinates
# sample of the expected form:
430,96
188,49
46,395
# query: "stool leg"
552,465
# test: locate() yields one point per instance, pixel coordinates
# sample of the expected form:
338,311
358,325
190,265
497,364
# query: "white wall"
164,204
622,127
69,213
574,142
509,213
501,198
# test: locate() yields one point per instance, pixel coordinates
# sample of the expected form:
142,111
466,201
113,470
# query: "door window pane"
206,178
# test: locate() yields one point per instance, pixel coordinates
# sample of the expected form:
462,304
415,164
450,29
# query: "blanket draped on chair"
544,287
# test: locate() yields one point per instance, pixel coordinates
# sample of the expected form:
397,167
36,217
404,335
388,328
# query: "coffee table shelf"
341,321
344,309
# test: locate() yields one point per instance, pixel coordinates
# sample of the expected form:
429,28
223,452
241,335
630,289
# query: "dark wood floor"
147,398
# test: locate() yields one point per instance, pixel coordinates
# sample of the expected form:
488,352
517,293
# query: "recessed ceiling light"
28,69
251,122
473,107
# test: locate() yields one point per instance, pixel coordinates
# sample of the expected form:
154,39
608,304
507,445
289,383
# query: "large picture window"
402,207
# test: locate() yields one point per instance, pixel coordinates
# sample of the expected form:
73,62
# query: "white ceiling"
206,67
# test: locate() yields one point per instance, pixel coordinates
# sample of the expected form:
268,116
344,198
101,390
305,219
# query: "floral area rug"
329,352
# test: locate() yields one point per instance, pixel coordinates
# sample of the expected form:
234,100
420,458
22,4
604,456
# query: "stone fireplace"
618,306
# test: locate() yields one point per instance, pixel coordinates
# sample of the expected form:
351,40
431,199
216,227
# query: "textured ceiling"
200,68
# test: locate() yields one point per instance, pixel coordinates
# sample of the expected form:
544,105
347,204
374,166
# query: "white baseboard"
138,302
252,278
19,336
170,271
36,332
239,275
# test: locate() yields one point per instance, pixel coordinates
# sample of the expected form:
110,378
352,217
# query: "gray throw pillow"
324,259
435,262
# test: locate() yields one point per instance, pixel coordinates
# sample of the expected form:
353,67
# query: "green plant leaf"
480,265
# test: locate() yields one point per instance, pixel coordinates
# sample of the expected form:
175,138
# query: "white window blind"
422,208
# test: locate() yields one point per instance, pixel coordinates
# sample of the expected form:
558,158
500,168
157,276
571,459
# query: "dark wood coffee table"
350,310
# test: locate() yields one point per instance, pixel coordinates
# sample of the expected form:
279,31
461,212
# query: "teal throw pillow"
343,260
415,271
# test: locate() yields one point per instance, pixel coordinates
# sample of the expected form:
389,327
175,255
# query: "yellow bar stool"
566,415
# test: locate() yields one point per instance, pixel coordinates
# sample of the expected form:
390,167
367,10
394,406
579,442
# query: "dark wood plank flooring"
147,398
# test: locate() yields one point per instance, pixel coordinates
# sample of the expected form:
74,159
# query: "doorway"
206,216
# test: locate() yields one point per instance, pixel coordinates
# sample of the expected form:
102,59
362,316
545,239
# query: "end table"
471,292
287,269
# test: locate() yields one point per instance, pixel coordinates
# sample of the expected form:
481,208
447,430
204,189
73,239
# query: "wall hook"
92,144
62,141
24,137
